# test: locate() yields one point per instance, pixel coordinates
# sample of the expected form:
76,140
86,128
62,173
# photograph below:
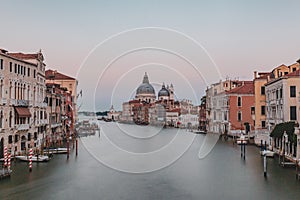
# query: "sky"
221,38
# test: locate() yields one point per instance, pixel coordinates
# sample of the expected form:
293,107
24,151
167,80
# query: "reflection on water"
220,175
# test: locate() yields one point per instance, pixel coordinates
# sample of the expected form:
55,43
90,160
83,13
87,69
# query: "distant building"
113,114
145,108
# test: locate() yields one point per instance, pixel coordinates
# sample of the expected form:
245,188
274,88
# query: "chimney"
255,74
268,78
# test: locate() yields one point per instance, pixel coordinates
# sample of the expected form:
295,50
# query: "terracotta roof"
263,75
24,56
55,75
246,88
294,74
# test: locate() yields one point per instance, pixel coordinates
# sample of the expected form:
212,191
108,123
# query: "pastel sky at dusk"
239,37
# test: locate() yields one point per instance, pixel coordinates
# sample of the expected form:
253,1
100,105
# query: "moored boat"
39,158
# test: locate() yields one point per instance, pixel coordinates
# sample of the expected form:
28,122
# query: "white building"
22,108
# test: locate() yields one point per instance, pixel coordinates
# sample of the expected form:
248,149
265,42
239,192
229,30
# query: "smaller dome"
163,91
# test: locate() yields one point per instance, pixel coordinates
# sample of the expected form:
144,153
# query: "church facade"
147,108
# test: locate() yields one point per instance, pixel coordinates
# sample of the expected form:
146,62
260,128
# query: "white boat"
268,153
242,140
40,158
56,151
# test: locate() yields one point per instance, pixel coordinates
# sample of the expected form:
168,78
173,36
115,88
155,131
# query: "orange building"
241,107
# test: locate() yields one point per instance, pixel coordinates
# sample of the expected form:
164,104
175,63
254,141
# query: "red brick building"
241,107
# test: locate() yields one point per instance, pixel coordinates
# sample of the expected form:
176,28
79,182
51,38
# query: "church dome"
145,87
163,91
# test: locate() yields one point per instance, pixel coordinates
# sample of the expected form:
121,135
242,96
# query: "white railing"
22,102
13,101
21,127
44,121
3,101
54,125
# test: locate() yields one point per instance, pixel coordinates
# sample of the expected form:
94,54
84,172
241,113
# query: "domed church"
145,92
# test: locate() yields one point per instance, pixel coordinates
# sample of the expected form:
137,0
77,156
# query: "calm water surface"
221,175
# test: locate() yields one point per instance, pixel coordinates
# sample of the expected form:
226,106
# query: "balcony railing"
22,102
22,127
55,125
3,101
13,102
44,121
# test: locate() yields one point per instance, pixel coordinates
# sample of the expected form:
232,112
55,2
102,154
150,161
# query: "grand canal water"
222,174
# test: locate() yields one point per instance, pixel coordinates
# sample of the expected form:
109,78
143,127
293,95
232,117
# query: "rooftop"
55,75
246,88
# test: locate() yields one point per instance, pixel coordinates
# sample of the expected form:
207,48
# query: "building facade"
22,92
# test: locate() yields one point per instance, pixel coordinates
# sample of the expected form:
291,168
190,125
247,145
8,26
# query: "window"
280,93
252,110
16,66
10,139
277,94
285,73
16,138
10,66
293,115
29,136
263,124
239,116
292,91
262,90
263,110
1,63
24,71
294,69
239,101
18,69
34,73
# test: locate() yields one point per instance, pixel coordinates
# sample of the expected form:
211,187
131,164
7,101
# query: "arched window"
10,119
239,101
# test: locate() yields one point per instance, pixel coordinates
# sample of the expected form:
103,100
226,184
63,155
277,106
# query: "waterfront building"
68,82
239,109
145,108
113,114
202,114
62,106
217,105
22,108
260,107
282,99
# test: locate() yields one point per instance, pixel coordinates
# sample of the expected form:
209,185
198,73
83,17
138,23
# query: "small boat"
56,151
40,158
2,159
268,153
242,140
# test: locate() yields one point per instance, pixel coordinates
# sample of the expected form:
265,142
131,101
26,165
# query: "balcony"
43,121
22,102
13,102
3,101
22,127
55,125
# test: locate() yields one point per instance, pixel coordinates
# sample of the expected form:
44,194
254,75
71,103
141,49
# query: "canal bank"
220,175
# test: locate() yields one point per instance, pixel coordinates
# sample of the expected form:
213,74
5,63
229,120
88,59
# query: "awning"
23,111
